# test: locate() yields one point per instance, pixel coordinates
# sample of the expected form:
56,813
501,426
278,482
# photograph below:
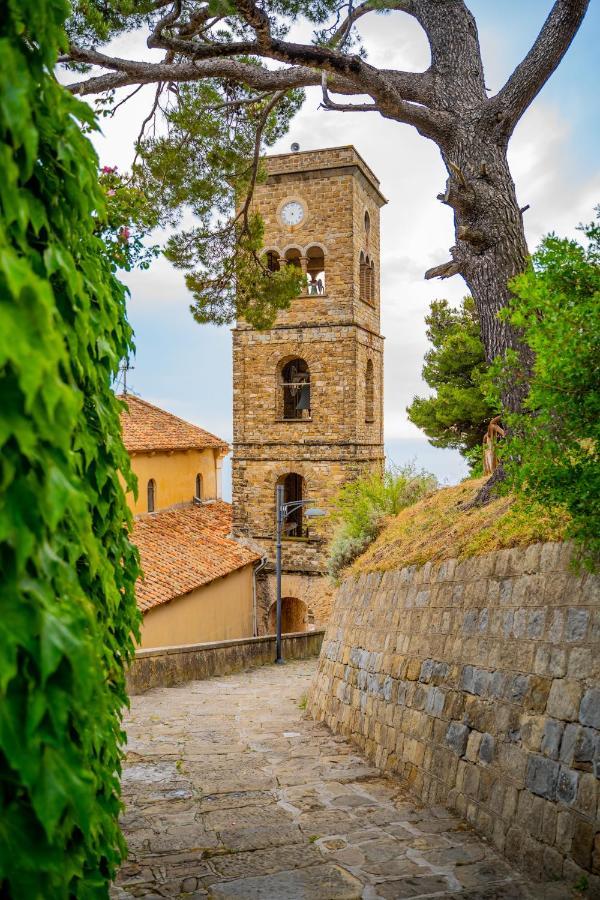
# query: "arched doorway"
294,616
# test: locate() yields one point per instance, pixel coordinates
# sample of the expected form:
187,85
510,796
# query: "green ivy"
68,569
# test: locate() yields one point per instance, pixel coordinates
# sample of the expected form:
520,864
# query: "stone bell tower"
308,392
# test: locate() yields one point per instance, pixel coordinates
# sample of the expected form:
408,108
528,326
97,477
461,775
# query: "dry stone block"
457,736
564,699
566,789
576,625
589,711
542,776
551,661
553,732
473,742
583,842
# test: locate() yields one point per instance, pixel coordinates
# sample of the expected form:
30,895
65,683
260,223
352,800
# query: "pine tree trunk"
490,244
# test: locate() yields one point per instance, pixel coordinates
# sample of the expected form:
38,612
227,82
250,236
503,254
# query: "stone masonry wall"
167,666
478,682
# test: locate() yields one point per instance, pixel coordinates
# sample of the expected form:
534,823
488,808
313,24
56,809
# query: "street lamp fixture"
283,511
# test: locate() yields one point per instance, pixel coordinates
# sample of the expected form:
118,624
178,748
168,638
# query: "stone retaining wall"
167,666
478,682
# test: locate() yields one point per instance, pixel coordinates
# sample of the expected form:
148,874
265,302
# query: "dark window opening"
292,258
369,392
363,277
295,377
293,491
198,494
272,261
367,279
151,495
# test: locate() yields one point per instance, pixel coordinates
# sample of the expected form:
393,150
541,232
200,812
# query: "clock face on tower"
292,213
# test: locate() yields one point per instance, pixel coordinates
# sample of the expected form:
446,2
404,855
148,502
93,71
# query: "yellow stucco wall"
175,477
219,611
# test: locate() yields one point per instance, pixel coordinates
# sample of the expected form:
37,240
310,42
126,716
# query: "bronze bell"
304,398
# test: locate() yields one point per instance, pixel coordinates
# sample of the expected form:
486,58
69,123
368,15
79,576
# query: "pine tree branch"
533,72
128,71
340,35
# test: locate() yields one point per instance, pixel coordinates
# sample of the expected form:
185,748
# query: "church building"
308,392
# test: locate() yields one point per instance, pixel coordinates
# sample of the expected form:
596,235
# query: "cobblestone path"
232,792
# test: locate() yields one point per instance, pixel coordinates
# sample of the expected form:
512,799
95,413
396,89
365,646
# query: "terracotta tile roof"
147,427
182,549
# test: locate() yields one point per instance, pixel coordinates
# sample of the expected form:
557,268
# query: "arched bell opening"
315,270
272,261
293,257
294,616
295,390
293,493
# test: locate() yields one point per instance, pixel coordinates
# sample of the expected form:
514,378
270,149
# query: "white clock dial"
292,213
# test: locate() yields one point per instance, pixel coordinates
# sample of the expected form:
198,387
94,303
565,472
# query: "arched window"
151,495
367,224
293,490
272,261
315,270
371,291
292,257
363,277
368,282
295,387
198,493
369,392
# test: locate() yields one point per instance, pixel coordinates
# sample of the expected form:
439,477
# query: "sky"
186,368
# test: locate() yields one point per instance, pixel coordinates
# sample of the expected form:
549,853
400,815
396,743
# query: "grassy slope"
438,527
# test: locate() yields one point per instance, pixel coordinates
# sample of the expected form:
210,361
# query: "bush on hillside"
362,506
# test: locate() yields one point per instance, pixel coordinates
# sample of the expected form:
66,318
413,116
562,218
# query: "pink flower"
108,170
110,193
124,234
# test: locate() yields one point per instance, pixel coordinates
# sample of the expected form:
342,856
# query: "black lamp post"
283,511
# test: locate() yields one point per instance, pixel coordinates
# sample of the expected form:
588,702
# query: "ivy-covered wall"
67,567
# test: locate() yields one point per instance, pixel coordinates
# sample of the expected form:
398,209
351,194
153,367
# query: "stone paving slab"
232,792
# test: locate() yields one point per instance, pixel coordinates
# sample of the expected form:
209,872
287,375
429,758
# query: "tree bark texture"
448,104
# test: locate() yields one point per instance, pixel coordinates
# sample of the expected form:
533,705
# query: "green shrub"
361,507
68,569
553,452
